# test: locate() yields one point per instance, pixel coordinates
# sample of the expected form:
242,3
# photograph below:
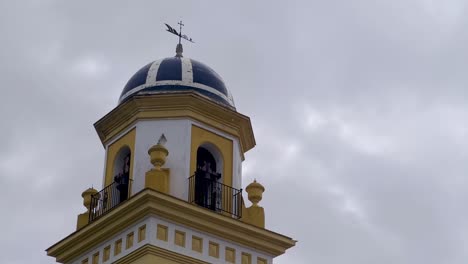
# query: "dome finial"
179,50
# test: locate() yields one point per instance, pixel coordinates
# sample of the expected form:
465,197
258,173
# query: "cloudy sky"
369,99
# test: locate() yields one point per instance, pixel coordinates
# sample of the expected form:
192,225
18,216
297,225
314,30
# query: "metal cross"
180,30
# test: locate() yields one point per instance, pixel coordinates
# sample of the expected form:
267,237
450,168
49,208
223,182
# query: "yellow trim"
213,249
129,240
96,258
118,247
230,255
246,258
149,254
161,232
149,202
201,136
197,244
176,106
179,238
141,233
261,260
106,253
127,140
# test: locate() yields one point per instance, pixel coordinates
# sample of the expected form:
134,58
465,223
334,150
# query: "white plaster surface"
177,133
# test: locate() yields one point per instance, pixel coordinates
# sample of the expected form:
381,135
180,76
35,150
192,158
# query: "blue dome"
176,74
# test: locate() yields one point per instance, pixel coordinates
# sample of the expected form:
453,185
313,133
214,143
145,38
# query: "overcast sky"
369,99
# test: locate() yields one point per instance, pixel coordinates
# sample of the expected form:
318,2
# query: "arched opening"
121,172
205,160
208,177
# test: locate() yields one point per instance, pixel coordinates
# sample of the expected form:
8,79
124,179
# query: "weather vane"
180,35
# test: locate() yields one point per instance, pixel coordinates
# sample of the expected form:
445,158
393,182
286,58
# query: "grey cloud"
368,98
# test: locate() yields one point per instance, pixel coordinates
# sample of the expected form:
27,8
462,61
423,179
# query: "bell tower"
172,182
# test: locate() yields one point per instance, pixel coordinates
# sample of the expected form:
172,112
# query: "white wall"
177,133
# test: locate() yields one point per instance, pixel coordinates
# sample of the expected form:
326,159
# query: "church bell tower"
172,184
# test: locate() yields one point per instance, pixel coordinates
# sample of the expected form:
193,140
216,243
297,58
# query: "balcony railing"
108,198
206,191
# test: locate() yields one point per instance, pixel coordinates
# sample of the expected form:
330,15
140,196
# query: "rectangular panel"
197,244
179,238
162,232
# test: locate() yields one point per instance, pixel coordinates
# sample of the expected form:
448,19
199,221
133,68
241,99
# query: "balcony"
108,198
206,191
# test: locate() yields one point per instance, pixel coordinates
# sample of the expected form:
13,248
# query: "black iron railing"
108,198
206,191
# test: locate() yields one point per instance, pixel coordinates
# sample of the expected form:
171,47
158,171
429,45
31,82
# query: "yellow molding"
141,233
95,258
261,260
246,258
230,255
224,145
117,247
213,249
126,140
176,106
106,253
197,244
162,232
179,238
129,240
163,254
149,202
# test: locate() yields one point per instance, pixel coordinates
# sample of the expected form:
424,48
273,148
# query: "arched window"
208,177
121,172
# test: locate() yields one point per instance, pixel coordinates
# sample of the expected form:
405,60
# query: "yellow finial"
158,153
255,191
87,196
83,218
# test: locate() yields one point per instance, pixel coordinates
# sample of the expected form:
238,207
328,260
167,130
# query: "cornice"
149,202
174,106
157,251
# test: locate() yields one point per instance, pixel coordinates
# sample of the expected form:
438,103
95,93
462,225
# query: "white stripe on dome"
231,99
174,82
152,72
187,73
